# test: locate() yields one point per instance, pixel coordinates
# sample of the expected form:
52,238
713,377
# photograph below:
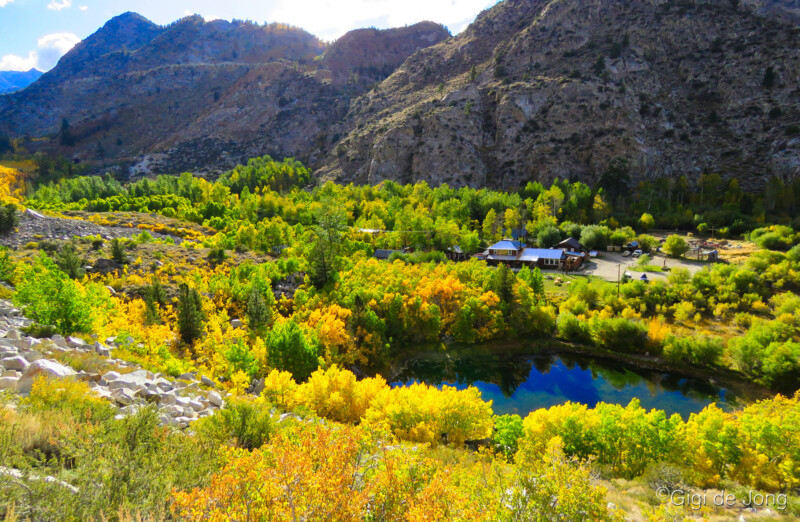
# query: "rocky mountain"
619,90
198,94
540,89
11,81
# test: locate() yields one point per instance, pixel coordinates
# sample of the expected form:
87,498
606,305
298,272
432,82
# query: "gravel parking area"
606,266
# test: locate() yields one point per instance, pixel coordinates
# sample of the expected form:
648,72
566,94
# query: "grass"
646,268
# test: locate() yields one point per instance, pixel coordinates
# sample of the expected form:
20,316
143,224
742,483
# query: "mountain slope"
539,89
11,81
200,95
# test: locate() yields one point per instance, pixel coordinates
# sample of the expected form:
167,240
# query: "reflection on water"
523,384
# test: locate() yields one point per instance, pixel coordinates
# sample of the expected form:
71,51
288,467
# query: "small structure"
572,245
644,278
711,256
633,245
454,253
383,255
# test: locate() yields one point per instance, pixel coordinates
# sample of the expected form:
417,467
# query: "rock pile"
22,359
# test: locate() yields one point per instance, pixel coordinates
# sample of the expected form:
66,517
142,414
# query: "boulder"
206,381
46,368
8,383
15,362
215,398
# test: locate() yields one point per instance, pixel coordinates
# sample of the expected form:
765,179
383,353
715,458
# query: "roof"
506,244
572,243
534,254
456,249
501,258
384,254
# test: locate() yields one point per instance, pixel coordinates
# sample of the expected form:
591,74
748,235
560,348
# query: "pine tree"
70,262
118,251
537,283
504,280
190,314
257,312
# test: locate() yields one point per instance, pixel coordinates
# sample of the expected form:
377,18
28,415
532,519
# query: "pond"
523,383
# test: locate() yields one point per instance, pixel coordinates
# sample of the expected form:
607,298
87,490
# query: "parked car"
637,253
627,253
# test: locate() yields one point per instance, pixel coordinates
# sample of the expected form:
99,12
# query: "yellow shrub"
336,394
280,389
423,413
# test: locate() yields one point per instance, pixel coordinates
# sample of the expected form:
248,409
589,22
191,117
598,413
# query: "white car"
637,253
627,253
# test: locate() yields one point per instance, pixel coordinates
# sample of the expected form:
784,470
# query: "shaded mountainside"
535,90
532,90
198,94
11,81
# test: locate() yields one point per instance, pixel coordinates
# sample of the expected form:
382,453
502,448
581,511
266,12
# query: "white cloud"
330,19
4,3
50,48
57,5
11,62
83,7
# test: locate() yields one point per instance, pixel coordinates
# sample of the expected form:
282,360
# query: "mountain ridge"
531,90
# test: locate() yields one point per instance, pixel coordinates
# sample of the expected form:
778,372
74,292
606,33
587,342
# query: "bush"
698,350
50,297
507,433
118,253
570,328
9,218
289,350
70,262
190,314
242,423
676,246
422,413
336,394
620,335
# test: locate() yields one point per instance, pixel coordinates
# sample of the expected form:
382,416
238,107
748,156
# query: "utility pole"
619,268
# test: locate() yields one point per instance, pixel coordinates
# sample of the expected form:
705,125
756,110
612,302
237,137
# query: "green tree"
9,218
326,245
646,222
258,313
118,251
154,297
676,246
190,314
50,297
489,226
503,286
289,350
548,237
70,262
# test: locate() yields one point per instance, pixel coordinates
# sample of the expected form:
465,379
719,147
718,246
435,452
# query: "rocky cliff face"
532,90
202,95
540,89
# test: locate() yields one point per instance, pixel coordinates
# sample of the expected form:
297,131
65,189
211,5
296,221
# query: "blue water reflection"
523,384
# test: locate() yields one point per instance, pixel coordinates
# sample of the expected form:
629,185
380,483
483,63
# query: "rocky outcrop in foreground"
22,359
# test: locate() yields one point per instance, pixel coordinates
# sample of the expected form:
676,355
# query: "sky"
36,33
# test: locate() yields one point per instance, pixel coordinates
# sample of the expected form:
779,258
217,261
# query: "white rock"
32,356
214,398
8,383
111,376
236,323
43,367
15,363
196,405
182,401
168,399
